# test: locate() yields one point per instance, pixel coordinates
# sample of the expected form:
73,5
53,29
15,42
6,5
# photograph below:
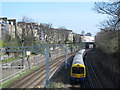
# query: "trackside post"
47,66
66,52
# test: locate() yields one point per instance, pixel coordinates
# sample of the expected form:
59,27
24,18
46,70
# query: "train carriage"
78,69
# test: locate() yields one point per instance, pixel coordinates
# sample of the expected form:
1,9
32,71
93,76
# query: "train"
82,52
78,69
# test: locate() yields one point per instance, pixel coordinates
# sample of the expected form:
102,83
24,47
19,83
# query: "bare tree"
26,19
113,10
63,34
82,33
52,35
46,33
24,32
76,38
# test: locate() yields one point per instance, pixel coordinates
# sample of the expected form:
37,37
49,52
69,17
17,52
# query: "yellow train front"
78,69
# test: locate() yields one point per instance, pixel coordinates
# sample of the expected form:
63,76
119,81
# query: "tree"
63,34
74,40
24,32
26,19
107,39
83,33
113,10
46,33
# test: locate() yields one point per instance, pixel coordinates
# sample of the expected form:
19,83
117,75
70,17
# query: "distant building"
88,34
4,28
88,39
12,23
0,33
70,36
7,27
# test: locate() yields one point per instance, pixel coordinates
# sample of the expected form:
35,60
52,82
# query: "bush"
107,41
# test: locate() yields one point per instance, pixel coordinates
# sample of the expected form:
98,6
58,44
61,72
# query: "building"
0,33
70,37
89,41
12,26
88,38
4,28
27,31
7,27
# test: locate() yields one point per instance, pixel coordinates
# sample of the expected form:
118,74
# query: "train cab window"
79,53
78,70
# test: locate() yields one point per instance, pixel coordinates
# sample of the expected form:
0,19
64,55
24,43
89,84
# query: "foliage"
57,85
107,38
107,41
112,9
10,59
2,44
83,33
18,76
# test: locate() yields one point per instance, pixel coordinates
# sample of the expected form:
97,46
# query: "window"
78,70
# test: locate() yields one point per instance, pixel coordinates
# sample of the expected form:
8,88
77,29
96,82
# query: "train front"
78,73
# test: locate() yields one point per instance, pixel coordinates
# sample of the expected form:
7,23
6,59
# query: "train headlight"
83,75
73,75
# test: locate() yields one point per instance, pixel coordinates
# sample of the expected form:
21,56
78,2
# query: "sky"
77,16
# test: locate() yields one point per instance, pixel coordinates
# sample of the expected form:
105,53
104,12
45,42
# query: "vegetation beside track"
16,79
18,76
61,79
10,59
107,54
57,85
107,65
107,41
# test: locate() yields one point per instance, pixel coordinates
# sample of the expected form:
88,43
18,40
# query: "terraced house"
7,29
27,33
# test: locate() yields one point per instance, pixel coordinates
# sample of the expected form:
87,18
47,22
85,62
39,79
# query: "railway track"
92,81
33,79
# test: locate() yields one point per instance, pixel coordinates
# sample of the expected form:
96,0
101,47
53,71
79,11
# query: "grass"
10,81
18,76
57,85
2,43
10,59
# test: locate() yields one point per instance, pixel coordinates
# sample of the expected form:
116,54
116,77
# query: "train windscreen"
78,70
